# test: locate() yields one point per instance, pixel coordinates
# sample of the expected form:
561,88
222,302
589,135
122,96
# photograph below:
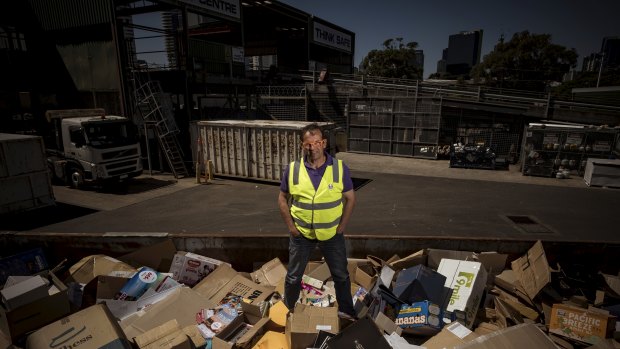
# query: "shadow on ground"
133,186
41,217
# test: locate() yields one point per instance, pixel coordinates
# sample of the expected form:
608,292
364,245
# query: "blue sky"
575,24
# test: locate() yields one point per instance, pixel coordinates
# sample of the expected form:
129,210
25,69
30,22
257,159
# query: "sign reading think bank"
332,37
225,7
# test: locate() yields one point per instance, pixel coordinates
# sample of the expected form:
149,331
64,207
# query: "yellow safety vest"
316,213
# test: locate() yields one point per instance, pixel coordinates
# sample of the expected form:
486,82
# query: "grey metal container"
24,178
253,149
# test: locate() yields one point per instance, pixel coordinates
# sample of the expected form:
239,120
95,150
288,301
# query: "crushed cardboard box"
93,327
270,273
451,335
305,322
28,317
88,268
584,325
166,336
532,270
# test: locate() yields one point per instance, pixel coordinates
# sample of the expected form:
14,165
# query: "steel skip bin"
254,149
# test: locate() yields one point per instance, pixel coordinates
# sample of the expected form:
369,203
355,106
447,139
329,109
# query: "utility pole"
600,69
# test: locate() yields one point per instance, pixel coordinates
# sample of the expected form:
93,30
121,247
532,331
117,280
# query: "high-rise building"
611,51
170,22
419,59
591,63
463,52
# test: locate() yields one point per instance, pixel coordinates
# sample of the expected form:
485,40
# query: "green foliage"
588,79
395,60
527,61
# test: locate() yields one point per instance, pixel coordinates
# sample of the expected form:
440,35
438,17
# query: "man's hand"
286,214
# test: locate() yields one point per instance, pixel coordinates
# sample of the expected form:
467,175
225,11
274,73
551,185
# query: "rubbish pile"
158,297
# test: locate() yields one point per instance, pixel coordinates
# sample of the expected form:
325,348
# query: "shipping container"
24,177
254,149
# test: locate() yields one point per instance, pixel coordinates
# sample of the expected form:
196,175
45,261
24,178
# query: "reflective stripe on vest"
316,213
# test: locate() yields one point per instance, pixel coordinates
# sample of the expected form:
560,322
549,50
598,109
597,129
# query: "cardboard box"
189,268
320,272
589,326
421,283
366,276
450,336
166,336
363,333
305,322
19,321
93,327
238,335
514,337
26,263
182,305
424,318
272,340
411,260
24,292
270,273
109,286
533,270
88,268
468,281
211,284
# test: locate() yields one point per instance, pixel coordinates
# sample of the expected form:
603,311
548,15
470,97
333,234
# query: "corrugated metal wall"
64,14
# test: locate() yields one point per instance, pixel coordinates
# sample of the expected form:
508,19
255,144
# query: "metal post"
600,69
148,149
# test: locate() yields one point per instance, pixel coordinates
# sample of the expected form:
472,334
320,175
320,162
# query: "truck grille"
119,153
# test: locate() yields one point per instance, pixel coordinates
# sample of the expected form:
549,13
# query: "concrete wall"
243,251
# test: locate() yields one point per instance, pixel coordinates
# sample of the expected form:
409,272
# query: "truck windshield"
109,134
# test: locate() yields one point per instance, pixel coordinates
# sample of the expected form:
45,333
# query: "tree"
527,61
395,60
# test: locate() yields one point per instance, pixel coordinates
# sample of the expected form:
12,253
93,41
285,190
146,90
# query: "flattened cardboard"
211,284
450,336
589,326
93,327
515,337
387,325
158,256
435,256
411,260
32,316
270,273
167,336
321,272
533,270
305,322
88,268
182,304
272,340
363,333
508,281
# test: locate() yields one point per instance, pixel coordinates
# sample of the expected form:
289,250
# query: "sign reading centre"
226,7
332,37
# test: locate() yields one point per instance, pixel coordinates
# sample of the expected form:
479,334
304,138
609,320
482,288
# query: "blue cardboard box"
420,318
421,283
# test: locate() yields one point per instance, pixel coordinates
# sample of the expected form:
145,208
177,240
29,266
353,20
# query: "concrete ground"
404,197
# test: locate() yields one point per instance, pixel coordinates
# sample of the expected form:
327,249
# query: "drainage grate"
358,183
529,225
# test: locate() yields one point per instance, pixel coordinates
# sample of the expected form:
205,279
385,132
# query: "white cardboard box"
24,292
189,268
467,281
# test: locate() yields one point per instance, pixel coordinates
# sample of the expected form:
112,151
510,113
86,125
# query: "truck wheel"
76,177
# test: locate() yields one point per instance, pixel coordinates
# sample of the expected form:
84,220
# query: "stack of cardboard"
162,298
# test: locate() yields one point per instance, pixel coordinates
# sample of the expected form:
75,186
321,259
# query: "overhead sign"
226,7
332,37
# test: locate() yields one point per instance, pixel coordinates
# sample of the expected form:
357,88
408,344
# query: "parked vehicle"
88,146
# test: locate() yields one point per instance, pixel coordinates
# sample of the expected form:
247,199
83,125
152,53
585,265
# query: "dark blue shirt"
317,174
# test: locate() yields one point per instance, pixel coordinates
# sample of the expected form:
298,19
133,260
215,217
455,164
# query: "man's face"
314,145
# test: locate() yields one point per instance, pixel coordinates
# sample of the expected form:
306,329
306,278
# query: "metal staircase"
156,110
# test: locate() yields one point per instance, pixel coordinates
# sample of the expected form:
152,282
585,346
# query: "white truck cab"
93,147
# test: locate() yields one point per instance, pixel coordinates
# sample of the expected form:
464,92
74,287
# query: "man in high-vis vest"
322,200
